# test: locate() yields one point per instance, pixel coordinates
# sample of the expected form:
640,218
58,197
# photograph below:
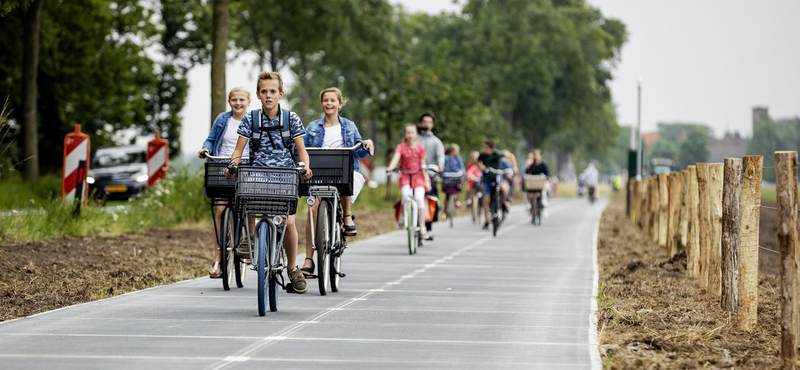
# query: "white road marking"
594,345
236,359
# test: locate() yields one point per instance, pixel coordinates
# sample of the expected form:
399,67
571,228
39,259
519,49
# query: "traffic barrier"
157,159
76,151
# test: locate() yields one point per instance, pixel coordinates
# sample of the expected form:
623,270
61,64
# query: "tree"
694,148
664,149
32,21
769,137
219,47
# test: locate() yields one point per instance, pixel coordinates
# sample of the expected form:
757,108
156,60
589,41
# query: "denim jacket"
316,136
214,139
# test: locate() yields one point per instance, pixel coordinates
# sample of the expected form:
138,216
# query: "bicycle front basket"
330,167
267,190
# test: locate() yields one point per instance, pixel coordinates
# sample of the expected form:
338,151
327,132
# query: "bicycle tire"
534,208
322,240
273,292
226,249
336,266
261,245
411,227
272,274
495,211
451,208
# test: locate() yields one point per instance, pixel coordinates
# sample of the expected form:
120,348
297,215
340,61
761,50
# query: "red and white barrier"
76,149
157,159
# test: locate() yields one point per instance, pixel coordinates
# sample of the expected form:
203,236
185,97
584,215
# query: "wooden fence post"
730,234
715,228
693,250
702,205
750,213
684,226
632,187
644,198
655,208
663,194
786,186
673,236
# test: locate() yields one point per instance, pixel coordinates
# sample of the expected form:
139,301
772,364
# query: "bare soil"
651,316
45,275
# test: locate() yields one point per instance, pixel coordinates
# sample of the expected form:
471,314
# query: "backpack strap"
255,125
286,134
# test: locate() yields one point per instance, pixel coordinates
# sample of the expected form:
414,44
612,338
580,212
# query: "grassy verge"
18,194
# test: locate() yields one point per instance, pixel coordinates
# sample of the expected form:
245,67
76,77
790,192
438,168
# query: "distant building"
649,138
760,113
732,145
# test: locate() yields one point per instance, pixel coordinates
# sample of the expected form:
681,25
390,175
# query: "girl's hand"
369,147
200,153
389,169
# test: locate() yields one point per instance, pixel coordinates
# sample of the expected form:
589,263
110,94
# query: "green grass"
570,190
768,193
18,194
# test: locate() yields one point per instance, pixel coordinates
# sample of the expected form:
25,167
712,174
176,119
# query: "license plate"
116,188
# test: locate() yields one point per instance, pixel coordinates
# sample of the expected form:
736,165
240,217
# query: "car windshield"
117,157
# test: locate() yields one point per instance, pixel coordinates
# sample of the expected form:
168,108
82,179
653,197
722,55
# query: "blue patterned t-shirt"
271,152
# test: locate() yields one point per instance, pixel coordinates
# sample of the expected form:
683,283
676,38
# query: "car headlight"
89,180
142,178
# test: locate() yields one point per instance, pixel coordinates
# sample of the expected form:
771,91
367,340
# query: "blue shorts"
487,184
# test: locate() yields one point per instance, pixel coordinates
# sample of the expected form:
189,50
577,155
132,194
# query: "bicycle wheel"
336,264
226,249
261,247
272,276
495,212
451,208
239,266
411,226
322,238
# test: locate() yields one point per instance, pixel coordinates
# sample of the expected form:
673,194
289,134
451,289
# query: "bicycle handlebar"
301,168
359,144
221,158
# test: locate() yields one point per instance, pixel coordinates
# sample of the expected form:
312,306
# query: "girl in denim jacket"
334,131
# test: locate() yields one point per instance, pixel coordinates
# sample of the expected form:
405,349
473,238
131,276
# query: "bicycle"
222,190
410,216
534,186
333,177
270,194
496,200
451,185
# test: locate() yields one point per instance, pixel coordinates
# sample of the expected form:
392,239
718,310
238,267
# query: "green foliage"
19,194
769,137
664,149
693,149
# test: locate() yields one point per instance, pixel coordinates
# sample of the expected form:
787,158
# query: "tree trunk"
305,85
219,46
32,20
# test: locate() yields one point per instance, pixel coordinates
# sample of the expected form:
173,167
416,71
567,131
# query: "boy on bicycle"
489,158
272,152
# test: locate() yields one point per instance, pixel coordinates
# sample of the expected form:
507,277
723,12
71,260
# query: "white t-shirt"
229,139
333,137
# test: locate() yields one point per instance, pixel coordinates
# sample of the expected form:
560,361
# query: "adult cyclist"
539,167
435,155
489,158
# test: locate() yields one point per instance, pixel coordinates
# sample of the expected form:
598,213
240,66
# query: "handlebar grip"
233,168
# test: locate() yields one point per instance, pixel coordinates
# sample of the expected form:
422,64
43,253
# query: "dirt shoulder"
652,317
45,275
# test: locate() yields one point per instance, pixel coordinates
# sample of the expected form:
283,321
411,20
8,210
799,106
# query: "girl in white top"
220,142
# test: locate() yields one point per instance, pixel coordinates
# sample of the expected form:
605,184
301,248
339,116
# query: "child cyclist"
220,142
452,164
410,155
272,152
333,131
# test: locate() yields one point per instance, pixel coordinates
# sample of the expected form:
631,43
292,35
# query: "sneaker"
486,226
243,250
402,223
298,281
427,236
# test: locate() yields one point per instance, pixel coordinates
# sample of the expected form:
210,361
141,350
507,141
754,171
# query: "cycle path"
466,300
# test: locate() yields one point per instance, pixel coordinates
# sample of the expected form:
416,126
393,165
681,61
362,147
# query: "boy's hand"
200,153
307,175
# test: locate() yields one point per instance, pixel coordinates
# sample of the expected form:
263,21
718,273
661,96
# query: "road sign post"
157,159
76,150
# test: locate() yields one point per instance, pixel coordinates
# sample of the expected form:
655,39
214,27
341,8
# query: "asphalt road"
521,300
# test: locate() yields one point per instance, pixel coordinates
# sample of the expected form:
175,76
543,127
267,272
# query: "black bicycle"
496,208
333,178
534,186
222,191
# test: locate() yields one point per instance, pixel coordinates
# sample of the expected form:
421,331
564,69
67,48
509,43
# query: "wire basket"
266,190
452,180
534,182
330,167
216,185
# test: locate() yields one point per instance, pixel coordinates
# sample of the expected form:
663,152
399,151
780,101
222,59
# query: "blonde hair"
269,76
241,89
336,91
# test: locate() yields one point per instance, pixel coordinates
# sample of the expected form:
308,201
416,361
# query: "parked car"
119,172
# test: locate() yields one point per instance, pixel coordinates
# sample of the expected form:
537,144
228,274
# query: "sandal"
350,230
215,272
308,272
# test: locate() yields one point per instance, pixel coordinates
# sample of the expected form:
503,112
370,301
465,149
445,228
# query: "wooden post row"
703,234
750,215
730,234
655,208
715,227
644,207
786,186
663,193
693,246
674,184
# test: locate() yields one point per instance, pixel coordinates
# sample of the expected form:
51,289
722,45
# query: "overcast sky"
704,61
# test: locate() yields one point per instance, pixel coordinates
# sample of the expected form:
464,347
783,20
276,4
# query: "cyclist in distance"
453,163
538,167
410,155
435,155
489,158
220,142
334,131
473,177
272,152
591,178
